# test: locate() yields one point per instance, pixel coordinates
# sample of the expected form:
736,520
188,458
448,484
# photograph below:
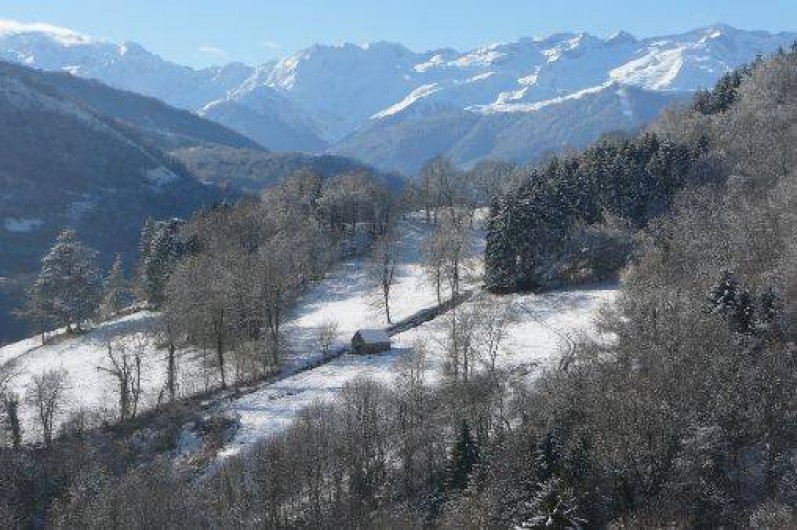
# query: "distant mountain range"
395,108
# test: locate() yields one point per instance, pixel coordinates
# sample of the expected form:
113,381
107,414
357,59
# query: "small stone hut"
369,341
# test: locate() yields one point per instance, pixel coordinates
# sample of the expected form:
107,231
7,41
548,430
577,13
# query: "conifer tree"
115,292
13,425
552,507
68,288
159,252
464,456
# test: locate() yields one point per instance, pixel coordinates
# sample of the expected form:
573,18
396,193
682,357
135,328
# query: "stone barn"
369,341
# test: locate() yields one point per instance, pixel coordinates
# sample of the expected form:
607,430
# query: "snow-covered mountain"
352,99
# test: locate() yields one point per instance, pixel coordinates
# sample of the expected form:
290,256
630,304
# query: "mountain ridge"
317,99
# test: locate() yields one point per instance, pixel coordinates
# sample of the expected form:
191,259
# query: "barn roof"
373,336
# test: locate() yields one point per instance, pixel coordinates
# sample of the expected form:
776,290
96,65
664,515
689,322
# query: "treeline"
613,187
227,277
225,282
234,289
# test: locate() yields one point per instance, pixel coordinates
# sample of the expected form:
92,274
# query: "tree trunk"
170,375
220,358
387,306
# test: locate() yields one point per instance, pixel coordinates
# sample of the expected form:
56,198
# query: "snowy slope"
346,297
88,387
351,301
546,324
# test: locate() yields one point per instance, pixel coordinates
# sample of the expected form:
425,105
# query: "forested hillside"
251,171
573,220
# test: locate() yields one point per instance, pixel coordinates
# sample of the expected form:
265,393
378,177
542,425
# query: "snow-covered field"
83,358
545,326
345,298
349,300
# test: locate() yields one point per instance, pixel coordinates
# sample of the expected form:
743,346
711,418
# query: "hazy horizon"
257,32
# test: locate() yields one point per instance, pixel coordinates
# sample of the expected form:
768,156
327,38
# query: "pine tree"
547,457
464,456
68,287
722,296
499,255
144,253
13,426
728,297
552,507
159,251
115,292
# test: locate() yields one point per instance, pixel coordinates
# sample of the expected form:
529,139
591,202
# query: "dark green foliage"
11,423
634,180
161,247
462,460
722,96
252,171
552,508
115,293
745,312
69,287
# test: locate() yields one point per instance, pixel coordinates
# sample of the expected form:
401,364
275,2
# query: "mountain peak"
620,37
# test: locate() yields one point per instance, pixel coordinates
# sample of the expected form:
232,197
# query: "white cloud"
213,51
271,45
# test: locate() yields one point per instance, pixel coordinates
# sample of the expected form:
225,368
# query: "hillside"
167,125
251,171
64,163
467,137
545,326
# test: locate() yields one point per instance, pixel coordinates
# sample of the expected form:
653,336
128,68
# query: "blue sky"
201,32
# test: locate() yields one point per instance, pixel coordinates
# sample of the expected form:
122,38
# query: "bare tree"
447,250
46,393
495,317
169,337
200,301
124,364
438,178
459,342
384,257
327,334
433,249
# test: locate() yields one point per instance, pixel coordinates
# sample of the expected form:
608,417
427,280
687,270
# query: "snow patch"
160,176
21,225
656,70
625,104
501,106
433,62
416,95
